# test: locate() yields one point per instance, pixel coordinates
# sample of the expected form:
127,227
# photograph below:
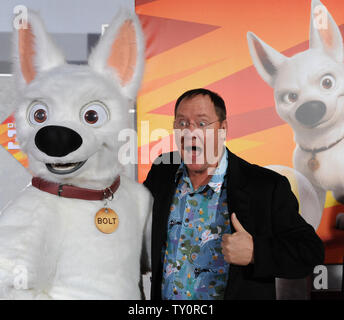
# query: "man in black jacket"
222,228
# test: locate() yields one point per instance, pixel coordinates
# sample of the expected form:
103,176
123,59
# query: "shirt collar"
216,180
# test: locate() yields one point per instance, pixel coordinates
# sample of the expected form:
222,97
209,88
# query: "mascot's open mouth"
64,168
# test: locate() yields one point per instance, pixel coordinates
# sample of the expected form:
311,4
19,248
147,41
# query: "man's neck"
202,178
199,178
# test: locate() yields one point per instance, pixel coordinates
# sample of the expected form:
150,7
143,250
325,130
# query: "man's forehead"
199,105
197,115
197,98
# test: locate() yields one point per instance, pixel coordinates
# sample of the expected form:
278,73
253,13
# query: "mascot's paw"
340,221
6,283
13,280
6,274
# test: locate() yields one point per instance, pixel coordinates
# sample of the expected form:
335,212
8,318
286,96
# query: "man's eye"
202,124
182,123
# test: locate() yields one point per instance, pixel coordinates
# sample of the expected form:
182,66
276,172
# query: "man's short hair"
220,107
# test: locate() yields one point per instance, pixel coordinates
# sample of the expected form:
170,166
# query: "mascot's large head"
69,116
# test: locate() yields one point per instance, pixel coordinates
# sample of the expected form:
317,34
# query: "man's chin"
197,168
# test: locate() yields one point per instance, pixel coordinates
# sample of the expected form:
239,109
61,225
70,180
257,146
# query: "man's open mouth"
64,168
194,150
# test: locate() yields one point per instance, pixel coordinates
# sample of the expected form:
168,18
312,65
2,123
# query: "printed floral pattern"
194,267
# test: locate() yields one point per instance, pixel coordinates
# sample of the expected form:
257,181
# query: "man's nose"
192,124
191,132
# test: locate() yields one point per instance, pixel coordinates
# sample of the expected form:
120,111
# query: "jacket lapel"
161,211
165,209
238,197
238,202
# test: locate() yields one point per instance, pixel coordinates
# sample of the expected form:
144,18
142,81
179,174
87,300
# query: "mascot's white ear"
120,52
34,50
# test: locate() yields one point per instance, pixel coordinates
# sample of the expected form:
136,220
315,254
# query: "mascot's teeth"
64,168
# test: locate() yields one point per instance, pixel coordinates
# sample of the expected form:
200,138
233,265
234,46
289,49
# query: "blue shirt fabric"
194,267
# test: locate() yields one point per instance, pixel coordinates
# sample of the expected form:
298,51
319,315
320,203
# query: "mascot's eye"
327,82
38,114
290,97
91,116
94,114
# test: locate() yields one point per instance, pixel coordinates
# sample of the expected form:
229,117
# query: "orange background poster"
196,43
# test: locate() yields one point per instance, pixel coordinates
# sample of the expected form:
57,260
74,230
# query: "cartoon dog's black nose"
310,113
56,141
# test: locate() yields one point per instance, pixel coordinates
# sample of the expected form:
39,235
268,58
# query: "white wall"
66,16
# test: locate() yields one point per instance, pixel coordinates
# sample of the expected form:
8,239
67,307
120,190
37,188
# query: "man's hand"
237,247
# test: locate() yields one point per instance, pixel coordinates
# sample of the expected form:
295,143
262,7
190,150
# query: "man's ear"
34,50
266,59
120,52
324,32
224,131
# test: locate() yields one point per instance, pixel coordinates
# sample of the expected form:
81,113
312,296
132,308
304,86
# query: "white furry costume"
49,245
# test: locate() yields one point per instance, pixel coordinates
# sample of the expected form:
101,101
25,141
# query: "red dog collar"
70,191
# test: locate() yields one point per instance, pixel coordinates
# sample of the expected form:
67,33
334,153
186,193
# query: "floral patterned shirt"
194,266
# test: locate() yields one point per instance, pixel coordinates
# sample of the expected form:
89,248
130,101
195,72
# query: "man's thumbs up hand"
236,224
237,247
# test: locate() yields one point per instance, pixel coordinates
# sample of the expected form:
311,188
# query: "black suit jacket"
285,245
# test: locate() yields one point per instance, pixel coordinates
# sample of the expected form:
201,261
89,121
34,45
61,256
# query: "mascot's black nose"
56,141
310,113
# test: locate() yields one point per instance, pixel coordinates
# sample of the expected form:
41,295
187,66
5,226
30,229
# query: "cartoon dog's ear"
34,50
120,52
265,59
324,32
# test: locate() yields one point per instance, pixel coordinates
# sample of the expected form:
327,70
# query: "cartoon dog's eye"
290,97
328,82
38,114
94,114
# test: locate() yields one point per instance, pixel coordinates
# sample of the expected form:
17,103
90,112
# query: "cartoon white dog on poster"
309,96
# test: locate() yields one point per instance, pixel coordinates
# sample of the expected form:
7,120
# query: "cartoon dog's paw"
340,221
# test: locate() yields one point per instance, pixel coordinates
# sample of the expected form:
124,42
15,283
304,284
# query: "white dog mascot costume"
79,230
